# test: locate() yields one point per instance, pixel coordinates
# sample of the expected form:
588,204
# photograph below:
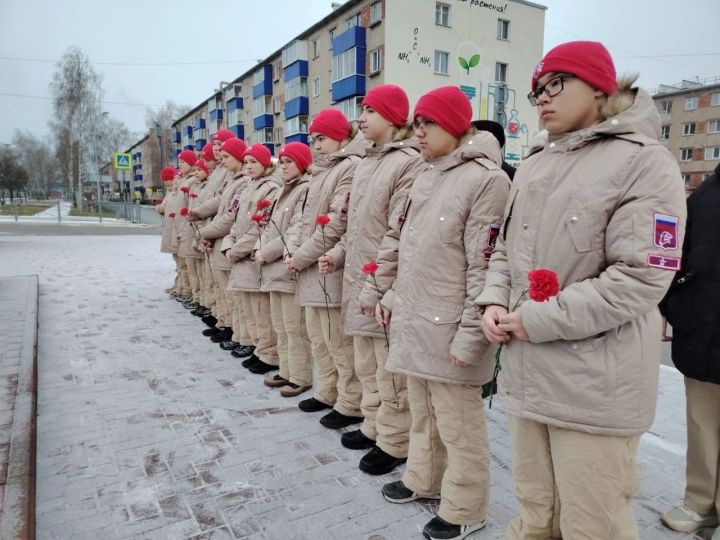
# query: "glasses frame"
422,125
535,94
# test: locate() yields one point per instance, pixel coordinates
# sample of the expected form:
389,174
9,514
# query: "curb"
18,508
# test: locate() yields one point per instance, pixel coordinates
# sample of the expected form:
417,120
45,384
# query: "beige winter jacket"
275,275
168,225
189,236
223,220
379,190
208,201
244,234
586,206
447,227
328,194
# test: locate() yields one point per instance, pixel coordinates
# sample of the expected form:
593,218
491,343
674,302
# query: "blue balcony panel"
235,104
189,130
299,68
176,137
263,121
270,147
263,89
215,114
348,87
200,123
238,130
298,137
188,147
296,107
199,143
352,37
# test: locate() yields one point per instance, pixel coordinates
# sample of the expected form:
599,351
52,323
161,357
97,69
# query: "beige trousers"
384,398
183,286
208,287
243,324
256,310
193,277
223,298
571,484
448,451
335,380
293,343
176,281
702,492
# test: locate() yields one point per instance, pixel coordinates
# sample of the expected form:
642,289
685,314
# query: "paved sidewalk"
52,212
18,333
147,430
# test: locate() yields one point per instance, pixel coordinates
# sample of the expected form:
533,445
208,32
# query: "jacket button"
574,346
552,145
442,218
436,319
574,219
401,144
525,226
411,229
614,121
431,167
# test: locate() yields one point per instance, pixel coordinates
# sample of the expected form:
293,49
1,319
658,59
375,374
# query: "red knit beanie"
222,135
188,156
587,60
207,152
167,173
261,153
235,147
299,153
200,164
331,123
390,101
447,106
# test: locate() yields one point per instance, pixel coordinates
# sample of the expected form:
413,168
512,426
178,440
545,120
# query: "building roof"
685,87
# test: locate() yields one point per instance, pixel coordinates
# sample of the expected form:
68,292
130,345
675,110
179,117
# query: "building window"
442,14
500,72
664,133
316,48
264,136
440,65
262,105
316,87
691,103
689,128
277,71
713,126
686,154
350,107
352,21
296,88
686,179
331,34
665,107
296,124
503,29
712,152
715,99
375,12
375,61
344,64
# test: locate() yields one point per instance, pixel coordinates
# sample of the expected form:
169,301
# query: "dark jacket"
692,305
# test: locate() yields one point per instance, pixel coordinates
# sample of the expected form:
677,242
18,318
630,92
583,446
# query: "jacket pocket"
439,316
579,230
449,222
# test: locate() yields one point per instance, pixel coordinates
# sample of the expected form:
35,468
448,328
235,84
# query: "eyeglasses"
423,125
552,88
286,162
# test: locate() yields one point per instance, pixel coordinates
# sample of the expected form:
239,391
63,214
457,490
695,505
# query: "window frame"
439,53
375,69
503,24
688,129
691,103
715,153
504,71
686,152
664,132
441,7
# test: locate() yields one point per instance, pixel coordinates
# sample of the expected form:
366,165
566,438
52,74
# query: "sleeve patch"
665,231
663,262
234,206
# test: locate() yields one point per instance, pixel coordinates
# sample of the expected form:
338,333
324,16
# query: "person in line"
601,205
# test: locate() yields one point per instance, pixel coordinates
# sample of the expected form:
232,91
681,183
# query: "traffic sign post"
122,162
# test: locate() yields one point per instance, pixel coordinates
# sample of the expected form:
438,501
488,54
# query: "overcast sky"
664,40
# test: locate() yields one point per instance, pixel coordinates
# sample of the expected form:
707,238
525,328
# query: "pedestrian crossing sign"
121,161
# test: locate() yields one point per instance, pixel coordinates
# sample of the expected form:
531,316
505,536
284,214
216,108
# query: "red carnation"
261,205
257,218
171,215
543,285
184,212
193,195
322,220
185,189
370,268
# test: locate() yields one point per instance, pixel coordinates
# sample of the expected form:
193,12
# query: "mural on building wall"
491,100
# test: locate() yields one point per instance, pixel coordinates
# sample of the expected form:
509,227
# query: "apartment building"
488,50
690,113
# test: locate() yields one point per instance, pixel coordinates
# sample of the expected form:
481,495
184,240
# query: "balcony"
176,137
296,107
188,130
199,143
295,70
263,121
298,137
238,130
199,124
215,115
235,104
262,81
352,37
348,87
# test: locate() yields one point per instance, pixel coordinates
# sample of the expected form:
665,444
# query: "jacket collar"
381,151
479,146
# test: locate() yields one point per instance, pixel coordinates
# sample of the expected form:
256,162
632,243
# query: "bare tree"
39,159
77,93
13,176
160,120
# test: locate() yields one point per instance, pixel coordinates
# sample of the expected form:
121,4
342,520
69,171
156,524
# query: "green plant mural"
467,64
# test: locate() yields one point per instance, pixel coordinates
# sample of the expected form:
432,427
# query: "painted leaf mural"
474,60
464,63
